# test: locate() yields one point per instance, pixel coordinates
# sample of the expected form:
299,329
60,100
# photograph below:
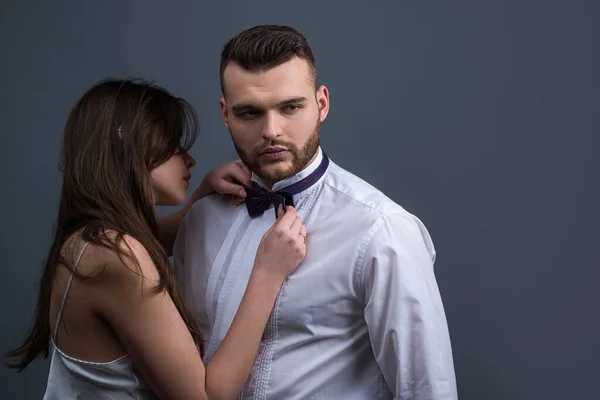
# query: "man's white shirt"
360,318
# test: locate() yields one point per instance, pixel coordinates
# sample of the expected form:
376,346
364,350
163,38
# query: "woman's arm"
224,179
158,341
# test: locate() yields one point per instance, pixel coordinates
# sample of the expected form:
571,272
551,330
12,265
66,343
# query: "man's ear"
323,102
224,114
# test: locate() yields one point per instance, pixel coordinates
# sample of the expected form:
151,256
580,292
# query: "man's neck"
308,168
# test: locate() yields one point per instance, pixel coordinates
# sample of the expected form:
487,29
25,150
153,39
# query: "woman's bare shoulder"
119,257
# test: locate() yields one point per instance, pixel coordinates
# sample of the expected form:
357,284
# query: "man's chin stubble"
271,172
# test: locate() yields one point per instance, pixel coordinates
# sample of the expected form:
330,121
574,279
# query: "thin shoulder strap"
64,299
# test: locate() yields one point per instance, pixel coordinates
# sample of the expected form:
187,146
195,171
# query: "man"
362,317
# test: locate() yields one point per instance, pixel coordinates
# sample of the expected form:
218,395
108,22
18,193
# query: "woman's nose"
189,160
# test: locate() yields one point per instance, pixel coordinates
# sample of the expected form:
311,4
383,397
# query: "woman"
119,326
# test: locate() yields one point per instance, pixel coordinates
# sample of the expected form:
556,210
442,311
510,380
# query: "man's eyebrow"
292,100
243,107
249,106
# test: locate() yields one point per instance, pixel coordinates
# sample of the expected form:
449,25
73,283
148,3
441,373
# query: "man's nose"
272,126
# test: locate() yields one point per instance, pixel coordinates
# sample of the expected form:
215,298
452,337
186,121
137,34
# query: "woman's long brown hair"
116,133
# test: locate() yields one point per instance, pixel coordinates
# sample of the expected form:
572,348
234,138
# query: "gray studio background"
481,117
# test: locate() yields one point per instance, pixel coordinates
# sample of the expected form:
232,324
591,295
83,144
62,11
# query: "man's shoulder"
207,219
381,222
212,202
361,193
209,208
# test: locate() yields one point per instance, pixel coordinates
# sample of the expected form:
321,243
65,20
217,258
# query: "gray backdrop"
478,116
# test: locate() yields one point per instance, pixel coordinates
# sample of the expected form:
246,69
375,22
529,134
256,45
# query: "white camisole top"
71,378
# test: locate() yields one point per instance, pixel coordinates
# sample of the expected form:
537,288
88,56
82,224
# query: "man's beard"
300,158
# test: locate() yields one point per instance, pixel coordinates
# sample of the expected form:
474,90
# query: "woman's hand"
281,250
283,247
226,179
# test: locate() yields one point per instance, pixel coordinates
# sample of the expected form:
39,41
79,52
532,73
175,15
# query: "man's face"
274,117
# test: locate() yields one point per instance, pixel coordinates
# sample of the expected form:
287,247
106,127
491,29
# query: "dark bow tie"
259,199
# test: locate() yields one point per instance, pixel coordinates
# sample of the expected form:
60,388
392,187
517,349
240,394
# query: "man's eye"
291,107
249,114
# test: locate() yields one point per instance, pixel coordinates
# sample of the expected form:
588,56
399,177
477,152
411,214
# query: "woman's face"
171,179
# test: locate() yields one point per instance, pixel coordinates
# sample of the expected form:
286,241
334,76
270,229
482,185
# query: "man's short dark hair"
264,47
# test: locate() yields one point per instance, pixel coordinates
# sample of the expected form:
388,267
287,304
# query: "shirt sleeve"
181,246
404,311
179,250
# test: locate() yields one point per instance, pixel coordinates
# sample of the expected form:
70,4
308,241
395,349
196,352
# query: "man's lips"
273,150
273,153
